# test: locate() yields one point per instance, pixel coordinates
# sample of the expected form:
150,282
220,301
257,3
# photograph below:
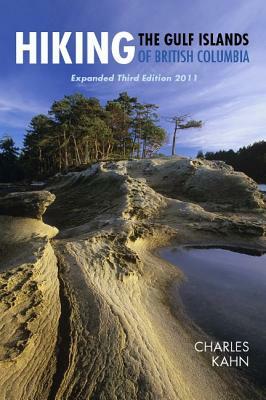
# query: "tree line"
250,159
78,130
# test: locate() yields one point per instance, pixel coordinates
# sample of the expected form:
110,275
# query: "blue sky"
229,98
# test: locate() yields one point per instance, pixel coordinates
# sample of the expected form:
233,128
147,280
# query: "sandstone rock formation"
30,309
26,204
87,315
198,180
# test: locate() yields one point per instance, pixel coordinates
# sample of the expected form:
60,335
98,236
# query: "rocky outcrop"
201,181
114,213
100,326
29,297
222,186
29,307
26,204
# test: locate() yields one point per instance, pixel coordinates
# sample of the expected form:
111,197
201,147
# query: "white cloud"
16,111
230,126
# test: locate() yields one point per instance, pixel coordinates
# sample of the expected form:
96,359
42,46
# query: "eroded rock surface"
29,308
109,333
197,180
26,204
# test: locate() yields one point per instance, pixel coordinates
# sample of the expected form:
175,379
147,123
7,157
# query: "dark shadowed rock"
26,204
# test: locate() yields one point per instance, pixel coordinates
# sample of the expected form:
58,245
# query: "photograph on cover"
132,200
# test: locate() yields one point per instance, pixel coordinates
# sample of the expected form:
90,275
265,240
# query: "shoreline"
241,382
178,335
125,339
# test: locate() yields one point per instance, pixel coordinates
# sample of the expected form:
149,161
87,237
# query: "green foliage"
182,122
9,165
200,154
79,130
251,160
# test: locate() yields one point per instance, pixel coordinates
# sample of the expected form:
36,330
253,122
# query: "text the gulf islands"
123,47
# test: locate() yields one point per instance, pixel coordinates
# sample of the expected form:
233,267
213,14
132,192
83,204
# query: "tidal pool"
224,293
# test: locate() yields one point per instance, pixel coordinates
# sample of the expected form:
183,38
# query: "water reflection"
225,294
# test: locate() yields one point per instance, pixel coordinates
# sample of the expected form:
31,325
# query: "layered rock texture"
29,307
199,180
26,204
86,315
